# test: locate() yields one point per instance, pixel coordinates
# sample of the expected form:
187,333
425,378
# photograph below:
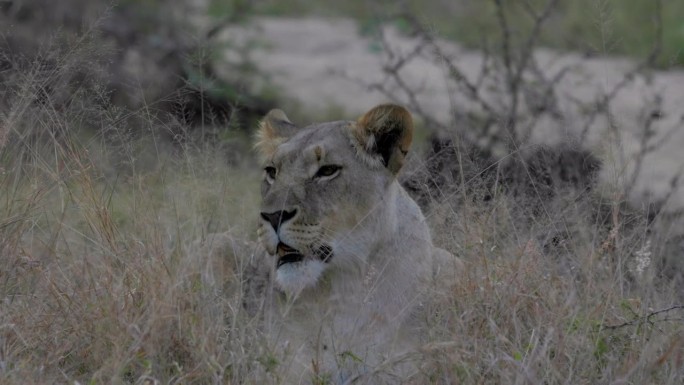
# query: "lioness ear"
274,128
385,132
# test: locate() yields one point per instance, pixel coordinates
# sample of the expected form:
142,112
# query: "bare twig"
602,105
648,318
471,89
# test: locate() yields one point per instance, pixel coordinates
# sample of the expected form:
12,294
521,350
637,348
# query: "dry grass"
96,281
98,284
100,281
525,315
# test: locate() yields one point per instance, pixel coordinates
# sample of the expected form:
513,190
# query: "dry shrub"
103,285
560,287
513,320
99,279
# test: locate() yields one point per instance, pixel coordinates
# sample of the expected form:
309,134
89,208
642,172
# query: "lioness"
348,253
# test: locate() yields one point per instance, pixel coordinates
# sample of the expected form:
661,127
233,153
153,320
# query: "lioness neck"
395,259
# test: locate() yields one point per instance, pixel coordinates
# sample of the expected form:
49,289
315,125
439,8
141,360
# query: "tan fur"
382,119
342,314
271,132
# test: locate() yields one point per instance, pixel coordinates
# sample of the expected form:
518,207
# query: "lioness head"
322,185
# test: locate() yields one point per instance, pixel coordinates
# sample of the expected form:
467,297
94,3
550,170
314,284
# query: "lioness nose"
279,217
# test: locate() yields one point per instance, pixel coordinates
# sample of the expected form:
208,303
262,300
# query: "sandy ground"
325,62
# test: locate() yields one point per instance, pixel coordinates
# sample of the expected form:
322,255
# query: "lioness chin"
347,253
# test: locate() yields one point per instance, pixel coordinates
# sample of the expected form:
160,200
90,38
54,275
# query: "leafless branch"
602,105
648,318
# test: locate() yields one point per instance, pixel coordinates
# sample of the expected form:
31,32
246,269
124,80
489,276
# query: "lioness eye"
328,170
270,173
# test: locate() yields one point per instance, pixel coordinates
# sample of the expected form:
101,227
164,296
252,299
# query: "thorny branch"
495,110
512,93
509,112
648,318
527,54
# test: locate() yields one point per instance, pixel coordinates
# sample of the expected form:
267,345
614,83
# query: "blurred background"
202,63
204,71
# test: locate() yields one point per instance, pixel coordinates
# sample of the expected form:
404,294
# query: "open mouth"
286,254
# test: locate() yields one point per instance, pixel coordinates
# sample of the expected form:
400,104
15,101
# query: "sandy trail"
325,62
